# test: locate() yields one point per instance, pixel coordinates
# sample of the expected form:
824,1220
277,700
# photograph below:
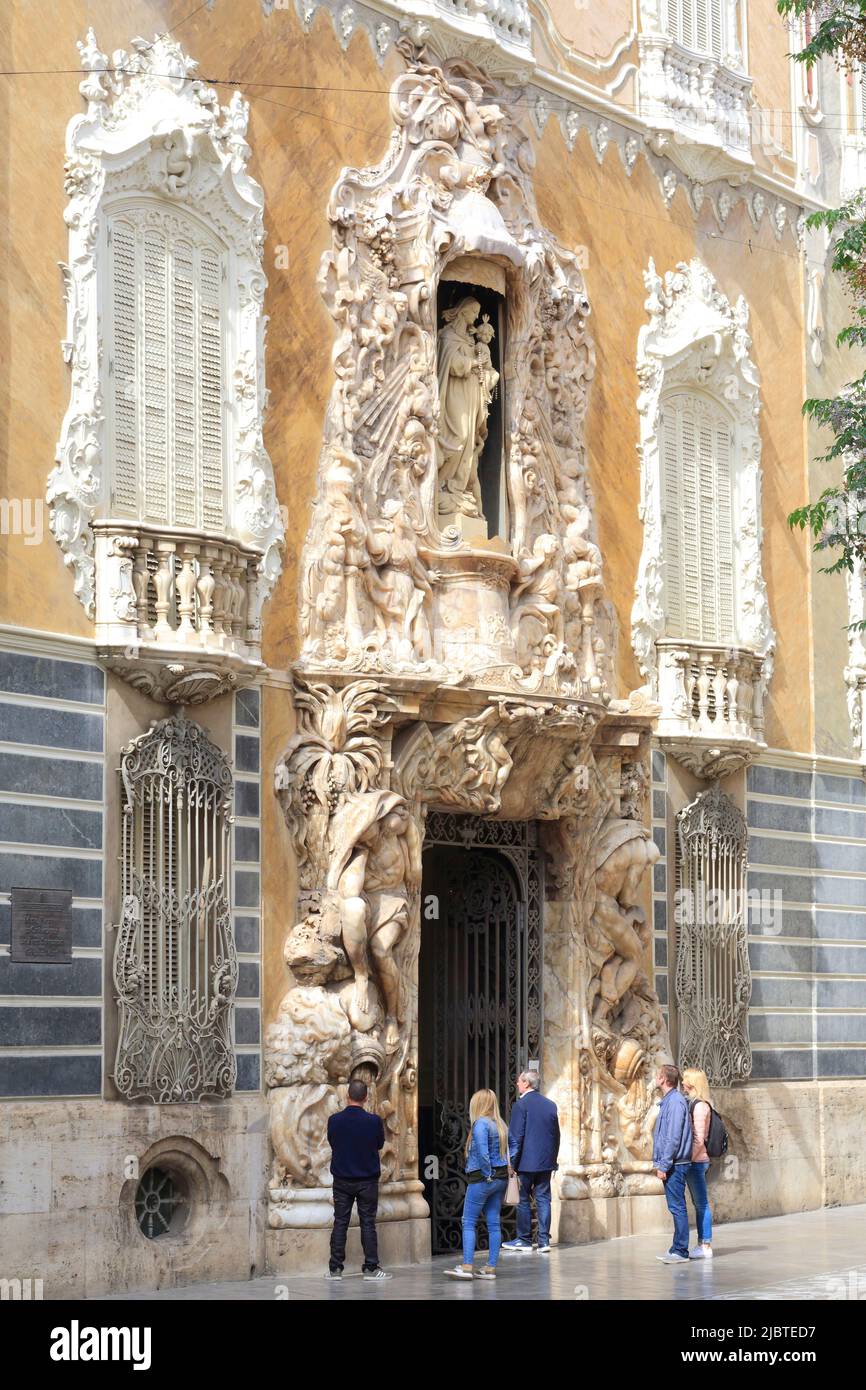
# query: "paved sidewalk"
813,1255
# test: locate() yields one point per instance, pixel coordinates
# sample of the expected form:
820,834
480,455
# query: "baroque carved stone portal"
462,674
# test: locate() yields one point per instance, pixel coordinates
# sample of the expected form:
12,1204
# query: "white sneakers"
700,1252
460,1272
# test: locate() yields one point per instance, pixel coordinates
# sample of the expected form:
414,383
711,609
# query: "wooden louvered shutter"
724,579
672,18
702,25
210,376
671,508
155,348
686,27
696,455
183,382
690,522
123,365
716,22
167,372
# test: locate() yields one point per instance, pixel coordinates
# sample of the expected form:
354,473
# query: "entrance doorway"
480,992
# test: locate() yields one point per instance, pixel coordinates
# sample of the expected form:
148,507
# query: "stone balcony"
696,110
505,23
178,613
712,705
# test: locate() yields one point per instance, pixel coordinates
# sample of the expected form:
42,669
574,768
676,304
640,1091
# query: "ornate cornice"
554,92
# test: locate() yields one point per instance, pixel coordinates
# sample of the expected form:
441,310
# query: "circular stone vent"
160,1203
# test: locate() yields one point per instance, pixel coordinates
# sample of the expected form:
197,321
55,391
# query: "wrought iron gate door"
480,990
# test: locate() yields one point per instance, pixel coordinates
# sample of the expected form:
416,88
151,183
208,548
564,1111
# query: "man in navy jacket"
355,1137
533,1146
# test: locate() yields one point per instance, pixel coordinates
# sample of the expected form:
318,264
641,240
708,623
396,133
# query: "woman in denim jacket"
486,1181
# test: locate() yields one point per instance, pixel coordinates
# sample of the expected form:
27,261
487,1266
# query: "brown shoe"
486,1272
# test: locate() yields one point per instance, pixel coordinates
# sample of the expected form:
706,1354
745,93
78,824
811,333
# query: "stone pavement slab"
810,1255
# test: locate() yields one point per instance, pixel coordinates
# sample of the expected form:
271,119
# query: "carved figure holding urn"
467,380
375,876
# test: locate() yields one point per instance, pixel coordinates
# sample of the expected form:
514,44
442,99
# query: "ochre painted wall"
316,109
622,222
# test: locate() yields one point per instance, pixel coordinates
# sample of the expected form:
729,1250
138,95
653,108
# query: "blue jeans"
483,1199
539,1183
696,1177
675,1196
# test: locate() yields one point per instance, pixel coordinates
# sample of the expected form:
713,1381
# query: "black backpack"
717,1136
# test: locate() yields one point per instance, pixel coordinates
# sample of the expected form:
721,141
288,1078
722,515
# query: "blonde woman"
486,1181
697,1092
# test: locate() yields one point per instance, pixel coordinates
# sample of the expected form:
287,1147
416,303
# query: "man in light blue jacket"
672,1154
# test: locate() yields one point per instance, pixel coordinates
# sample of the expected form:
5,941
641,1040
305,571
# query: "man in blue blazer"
533,1146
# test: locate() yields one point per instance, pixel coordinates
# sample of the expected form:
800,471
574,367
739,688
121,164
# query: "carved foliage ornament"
155,140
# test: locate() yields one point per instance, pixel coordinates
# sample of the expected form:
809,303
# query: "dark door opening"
479,998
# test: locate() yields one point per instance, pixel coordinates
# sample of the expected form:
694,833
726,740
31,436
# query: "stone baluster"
239,604
188,551
718,689
746,694
252,628
141,586
205,587
732,694
164,585
705,661
220,605
758,697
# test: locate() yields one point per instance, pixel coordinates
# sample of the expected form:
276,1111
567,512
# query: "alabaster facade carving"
171,528
711,691
450,669
390,585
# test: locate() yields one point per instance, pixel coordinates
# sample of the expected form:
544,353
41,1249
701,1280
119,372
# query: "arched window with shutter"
701,626
163,496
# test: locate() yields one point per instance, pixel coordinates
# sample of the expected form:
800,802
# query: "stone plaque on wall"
42,925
